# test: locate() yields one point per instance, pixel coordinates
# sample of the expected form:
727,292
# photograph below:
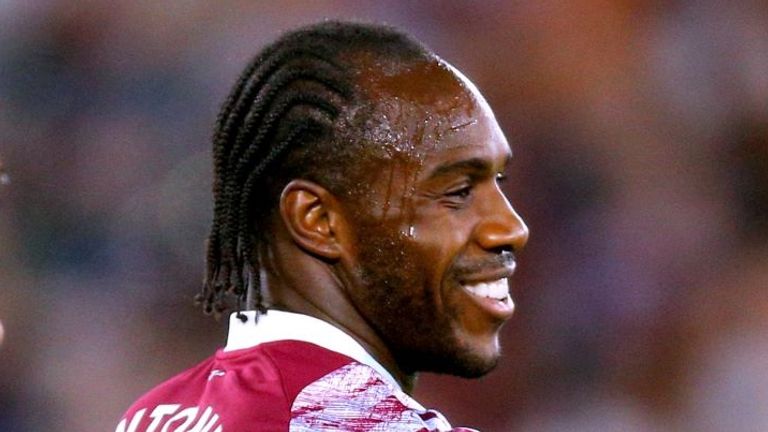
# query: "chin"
472,367
460,363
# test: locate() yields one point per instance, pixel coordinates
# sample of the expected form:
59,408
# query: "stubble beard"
400,305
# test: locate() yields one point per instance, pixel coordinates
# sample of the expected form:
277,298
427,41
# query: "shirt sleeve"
356,398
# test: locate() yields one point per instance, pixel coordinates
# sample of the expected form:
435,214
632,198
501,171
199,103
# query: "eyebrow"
472,165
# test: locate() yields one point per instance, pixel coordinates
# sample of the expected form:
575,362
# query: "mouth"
497,290
492,297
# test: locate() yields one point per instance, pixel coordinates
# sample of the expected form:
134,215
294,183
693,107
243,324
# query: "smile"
498,290
492,297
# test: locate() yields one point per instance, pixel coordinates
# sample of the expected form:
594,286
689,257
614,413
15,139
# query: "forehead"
427,110
425,82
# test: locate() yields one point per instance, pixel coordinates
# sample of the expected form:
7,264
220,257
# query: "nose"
501,228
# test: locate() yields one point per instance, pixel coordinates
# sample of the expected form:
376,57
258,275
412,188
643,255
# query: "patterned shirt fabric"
289,372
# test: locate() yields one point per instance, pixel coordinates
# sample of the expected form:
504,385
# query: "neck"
293,302
298,282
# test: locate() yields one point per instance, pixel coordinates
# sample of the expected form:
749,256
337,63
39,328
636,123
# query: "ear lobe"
311,216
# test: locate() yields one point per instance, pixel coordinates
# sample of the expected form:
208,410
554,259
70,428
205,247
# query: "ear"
312,216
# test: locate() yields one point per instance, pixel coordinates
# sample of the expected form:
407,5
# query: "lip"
488,276
499,310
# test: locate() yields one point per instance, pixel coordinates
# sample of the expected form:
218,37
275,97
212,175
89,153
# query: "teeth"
498,290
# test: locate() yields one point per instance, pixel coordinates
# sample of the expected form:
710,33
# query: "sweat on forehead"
429,82
413,105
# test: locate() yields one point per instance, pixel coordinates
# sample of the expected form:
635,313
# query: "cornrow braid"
283,119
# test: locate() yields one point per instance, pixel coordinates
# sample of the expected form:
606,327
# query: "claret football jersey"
288,372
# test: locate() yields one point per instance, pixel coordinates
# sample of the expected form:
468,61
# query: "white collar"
278,325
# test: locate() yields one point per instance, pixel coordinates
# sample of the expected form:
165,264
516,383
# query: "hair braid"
243,221
234,108
240,165
255,120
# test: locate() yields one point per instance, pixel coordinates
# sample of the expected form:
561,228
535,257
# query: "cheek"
439,246
441,233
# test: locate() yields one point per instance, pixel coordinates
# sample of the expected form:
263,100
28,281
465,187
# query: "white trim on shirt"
279,325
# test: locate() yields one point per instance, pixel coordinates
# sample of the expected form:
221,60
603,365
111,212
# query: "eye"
461,192
501,178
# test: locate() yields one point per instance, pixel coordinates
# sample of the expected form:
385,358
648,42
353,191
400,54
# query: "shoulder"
181,387
301,363
164,402
355,397
236,389
281,385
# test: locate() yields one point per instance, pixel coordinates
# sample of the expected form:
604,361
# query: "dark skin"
396,267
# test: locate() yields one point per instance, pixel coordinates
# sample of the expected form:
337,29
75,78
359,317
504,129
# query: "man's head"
353,154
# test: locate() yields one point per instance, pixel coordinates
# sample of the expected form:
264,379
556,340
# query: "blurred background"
640,130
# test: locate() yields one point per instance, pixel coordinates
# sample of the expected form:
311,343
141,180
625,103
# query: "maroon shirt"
289,372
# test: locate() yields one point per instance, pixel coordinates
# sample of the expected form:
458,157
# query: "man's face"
436,236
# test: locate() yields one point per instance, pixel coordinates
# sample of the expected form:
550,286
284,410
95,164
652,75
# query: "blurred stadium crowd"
640,130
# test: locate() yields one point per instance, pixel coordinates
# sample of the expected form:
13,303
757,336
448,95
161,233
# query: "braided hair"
289,115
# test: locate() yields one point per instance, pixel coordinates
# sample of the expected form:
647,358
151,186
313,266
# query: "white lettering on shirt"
159,412
134,422
186,420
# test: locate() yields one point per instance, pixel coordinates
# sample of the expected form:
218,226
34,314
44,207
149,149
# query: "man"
358,215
